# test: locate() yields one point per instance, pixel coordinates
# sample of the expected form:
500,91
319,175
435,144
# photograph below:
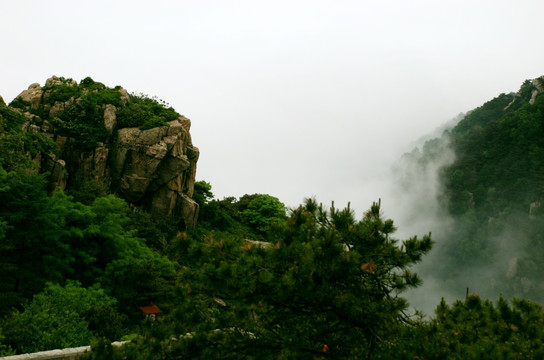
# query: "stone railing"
68,353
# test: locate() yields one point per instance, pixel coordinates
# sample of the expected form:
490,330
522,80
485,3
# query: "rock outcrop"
533,87
154,168
33,95
157,167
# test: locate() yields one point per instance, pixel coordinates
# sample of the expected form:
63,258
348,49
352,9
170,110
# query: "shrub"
145,112
19,103
61,93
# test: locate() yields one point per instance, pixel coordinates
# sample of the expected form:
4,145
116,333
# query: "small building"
151,311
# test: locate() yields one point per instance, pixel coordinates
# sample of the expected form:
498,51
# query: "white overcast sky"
289,98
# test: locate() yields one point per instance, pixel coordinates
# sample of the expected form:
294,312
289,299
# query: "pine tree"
327,285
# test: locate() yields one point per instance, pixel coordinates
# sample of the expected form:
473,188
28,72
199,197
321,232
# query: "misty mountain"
87,171
486,189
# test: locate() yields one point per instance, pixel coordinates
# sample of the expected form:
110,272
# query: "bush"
57,318
19,103
84,120
144,112
61,93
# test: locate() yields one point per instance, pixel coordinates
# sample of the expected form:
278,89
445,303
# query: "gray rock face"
539,89
110,120
55,80
59,107
153,168
124,96
33,95
57,170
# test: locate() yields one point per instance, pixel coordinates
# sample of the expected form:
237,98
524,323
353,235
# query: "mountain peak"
131,144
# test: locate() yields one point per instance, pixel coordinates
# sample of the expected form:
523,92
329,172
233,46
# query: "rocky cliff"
110,141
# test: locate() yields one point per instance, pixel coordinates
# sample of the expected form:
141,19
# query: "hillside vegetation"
493,191
253,279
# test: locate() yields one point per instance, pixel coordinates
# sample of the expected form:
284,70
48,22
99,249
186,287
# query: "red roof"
152,309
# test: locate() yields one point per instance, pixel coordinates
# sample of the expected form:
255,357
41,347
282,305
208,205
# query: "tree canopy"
326,284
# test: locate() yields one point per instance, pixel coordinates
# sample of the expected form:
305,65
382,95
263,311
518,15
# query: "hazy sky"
289,98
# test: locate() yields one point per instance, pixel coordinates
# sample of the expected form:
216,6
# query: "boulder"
110,120
33,95
55,80
58,107
125,97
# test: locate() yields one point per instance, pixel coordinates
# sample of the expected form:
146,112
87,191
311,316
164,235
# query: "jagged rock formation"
157,166
151,167
528,92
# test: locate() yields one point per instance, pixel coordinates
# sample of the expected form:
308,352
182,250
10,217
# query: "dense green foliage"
57,255
494,189
18,148
250,216
262,212
325,279
500,164
69,240
54,239
475,329
60,317
490,190
255,280
145,112
79,110
480,330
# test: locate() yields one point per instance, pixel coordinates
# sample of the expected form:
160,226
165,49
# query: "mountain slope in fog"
488,194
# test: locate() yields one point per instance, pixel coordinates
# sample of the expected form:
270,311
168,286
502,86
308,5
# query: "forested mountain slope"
493,191
77,260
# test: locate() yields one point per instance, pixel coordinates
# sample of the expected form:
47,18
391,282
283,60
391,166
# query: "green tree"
145,112
4,187
202,193
5,350
327,285
56,318
476,329
128,269
70,240
262,211
30,250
